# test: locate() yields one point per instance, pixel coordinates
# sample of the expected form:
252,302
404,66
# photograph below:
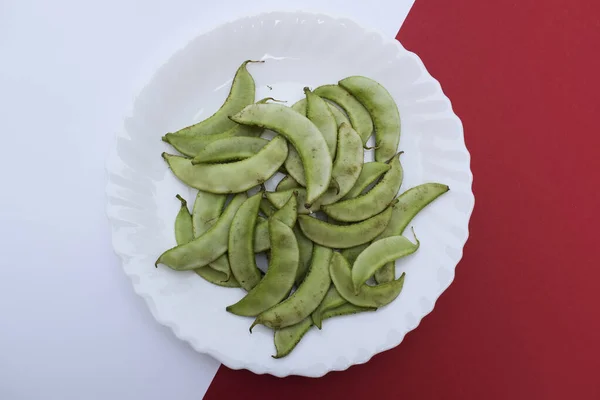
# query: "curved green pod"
240,95
192,145
357,113
287,214
207,209
241,244
371,203
351,253
345,309
347,165
279,279
300,106
204,249
383,110
368,296
286,183
302,134
344,236
369,173
184,233
278,199
331,300
305,299
234,177
287,339
409,204
230,149
377,255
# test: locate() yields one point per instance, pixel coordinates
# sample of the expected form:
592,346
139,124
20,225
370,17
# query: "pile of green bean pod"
333,227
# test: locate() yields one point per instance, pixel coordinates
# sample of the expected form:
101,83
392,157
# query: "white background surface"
70,325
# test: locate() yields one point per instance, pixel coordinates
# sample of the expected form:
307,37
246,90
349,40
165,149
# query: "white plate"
301,49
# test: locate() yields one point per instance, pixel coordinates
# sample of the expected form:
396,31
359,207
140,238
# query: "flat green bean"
344,236
279,279
357,113
207,209
351,253
278,199
234,177
191,145
204,249
369,296
331,300
317,110
230,149
371,203
302,134
383,110
286,339
377,255
305,247
267,208
184,234
300,106
240,95
347,165
370,172
286,183
304,300
346,309
409,204
287,214
241,244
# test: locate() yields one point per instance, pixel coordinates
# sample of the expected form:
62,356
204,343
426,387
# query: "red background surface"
521,320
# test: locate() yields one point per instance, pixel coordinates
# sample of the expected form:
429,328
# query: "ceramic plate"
300,49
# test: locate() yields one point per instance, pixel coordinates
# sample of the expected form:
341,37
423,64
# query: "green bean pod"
344,236
351,253
345,309
267,208
278,199
230,149
371,203
233,177
302,134
300,106
383,110
204,249
331,300
368,296
279,279
240,95
357,113
304,300
377,255
241,244
305,248
370,172
287,339
347,165
409,204
287,214
286,183
184,234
